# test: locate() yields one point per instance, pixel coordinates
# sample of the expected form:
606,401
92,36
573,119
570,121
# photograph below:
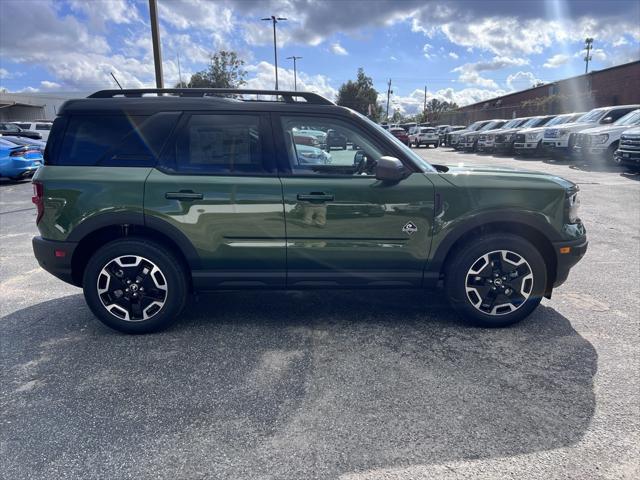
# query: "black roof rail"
287,96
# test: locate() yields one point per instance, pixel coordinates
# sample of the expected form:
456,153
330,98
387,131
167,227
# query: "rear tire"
496,281
134,285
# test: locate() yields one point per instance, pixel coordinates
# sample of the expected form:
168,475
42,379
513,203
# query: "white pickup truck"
560,140
603,141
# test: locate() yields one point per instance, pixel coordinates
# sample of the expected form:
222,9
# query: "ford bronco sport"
148,195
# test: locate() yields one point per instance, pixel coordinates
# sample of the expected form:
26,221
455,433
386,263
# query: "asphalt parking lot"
338,384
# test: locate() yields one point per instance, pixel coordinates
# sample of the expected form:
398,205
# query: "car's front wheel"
496,280
135,286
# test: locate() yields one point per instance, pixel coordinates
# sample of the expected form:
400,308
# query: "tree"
226,71
435,109
360,96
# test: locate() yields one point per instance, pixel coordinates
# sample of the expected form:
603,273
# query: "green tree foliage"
225,71
435,109
360,96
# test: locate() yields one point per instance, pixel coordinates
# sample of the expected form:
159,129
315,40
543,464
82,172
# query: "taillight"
18,153
38,200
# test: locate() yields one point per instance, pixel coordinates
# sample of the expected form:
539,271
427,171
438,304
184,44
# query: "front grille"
630,142
551,133
499,138
520,138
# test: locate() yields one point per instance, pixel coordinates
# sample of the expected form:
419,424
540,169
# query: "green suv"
148,195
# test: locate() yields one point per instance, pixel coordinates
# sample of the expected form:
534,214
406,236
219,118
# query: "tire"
471,268
164,279
611,153
435,145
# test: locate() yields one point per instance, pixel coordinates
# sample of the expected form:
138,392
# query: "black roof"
148,101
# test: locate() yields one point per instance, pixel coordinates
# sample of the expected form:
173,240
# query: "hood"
572,126
632,131
462,175
605,129
535,129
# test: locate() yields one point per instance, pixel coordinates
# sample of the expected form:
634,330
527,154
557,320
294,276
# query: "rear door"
217,184
344,227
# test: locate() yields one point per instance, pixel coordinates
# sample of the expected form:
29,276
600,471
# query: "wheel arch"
457,240
94,233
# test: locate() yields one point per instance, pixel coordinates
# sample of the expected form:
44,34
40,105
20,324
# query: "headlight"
489,137
573,205
562,133
509,137
532,137
602,138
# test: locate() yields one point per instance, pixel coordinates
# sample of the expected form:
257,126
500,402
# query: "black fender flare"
529,220
109,219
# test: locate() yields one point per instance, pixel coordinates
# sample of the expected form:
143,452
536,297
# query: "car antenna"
114,77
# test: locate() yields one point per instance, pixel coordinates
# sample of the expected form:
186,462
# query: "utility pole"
588,43
424,110
389,92
179,71
295,75
275,20
155,38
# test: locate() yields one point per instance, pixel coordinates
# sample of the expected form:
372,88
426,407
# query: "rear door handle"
315,197
183,195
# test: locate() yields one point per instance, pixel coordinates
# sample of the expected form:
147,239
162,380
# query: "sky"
464,51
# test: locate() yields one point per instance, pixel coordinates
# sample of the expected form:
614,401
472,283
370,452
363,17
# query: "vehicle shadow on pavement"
286,385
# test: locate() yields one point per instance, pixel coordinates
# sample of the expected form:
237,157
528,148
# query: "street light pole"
295,75
275,20
155,38
389,92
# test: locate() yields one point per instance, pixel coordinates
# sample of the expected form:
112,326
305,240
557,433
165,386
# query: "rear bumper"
55,257
566,261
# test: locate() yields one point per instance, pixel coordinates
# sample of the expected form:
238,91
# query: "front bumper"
568,254
55,257
627,158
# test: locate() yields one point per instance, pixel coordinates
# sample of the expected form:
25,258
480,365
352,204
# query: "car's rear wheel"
497,280
135,286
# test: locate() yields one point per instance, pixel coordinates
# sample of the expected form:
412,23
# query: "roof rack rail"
287,96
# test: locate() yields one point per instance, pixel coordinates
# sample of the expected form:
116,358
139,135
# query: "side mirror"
607,120
390,169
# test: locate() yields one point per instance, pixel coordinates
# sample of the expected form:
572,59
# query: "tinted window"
221,144
8,127
116,140
43,126
24,126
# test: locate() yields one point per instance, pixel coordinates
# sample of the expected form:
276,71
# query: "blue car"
18,161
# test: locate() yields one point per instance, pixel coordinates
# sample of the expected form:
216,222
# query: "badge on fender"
410,228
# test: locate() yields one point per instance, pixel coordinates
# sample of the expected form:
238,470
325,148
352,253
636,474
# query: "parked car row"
606,132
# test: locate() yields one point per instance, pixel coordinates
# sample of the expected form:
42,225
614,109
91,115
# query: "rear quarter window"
113,140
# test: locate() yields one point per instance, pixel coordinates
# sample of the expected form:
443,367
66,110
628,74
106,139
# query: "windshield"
631,118
559,120
490,125
417,159
592,116
531,122
513,123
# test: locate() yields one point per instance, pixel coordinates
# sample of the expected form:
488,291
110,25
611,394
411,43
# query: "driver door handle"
183,195
316,196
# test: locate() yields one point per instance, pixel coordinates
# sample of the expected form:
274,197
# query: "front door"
217,186
344,227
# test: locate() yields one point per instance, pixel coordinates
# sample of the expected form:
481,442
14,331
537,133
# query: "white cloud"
195,14
338,49
521,81
557,61
427,51
454,55
4,73
620,41
47,85
99,12
469,72
262,76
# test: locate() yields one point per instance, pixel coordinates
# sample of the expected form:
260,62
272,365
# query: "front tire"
497,280
134,285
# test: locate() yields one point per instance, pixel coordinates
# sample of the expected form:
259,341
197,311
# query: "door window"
328,146
221,144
